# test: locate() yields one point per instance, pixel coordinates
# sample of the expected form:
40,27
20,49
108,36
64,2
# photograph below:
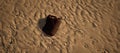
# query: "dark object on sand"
52,25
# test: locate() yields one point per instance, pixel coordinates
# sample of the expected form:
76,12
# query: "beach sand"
87,26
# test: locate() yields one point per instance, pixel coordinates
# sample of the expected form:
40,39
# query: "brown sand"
88,26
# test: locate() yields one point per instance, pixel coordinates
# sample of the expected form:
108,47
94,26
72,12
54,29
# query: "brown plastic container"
52,25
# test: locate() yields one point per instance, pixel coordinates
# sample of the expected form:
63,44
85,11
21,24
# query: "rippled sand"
88,26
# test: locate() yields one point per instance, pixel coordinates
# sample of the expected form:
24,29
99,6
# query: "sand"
88,26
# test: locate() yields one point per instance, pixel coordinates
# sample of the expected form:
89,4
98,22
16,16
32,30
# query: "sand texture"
87,26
